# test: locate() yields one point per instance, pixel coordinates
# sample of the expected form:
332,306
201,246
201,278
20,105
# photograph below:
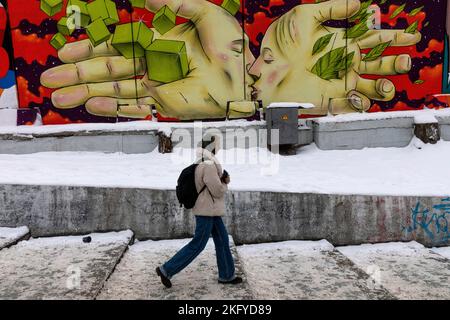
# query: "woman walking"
212,185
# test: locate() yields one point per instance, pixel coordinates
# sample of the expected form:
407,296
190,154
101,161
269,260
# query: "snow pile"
13,233
103,238
9,236
379,171
445,252
404,248
425,118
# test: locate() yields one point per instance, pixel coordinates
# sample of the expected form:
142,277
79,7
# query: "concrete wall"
126,142
252,217
328,135
396,132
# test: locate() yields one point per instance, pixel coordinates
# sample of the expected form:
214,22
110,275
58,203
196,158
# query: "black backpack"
186,190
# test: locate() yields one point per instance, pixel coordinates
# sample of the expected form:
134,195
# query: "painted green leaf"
419,81
357,30
426,24
383,1
329,66
398,11
416,11
376,52
362,13
346,62
412,28
322,43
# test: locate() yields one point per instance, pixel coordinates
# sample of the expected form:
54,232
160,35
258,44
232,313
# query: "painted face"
273,67
219,64
233,60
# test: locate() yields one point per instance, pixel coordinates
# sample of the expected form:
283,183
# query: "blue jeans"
205,226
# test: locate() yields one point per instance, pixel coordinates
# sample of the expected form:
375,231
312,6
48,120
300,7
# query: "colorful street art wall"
106,61
8,94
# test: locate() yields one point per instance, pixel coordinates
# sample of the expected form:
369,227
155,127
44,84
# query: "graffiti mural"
103,60
8,94
434,222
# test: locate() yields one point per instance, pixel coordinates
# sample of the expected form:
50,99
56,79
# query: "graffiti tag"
433,222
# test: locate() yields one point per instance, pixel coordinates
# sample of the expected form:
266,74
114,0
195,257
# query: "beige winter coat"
211,202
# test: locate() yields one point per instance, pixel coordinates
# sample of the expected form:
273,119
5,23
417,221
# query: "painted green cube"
138,3
131,39
164,20
78,7
98,32
66,26
58,41
105,9
51,7
232,6
167,61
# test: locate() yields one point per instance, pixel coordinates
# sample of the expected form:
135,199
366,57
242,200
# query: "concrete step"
10,236
304,270
407,270
135,277
60,267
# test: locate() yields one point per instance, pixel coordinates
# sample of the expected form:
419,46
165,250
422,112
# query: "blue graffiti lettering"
433,222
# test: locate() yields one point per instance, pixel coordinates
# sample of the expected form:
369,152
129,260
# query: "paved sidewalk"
407,270
61,267
305,270
135,277
111,267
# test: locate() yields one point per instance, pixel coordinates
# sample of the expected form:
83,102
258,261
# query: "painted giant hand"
101,79
304,60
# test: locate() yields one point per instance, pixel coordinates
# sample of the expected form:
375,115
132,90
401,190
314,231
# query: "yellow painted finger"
84,50
398,38
71,97
112,107
101,69
381,89
388,65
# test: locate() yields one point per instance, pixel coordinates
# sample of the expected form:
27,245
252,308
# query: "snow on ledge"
121,127
291,105
425,118
13,233
421,114
397,247
103,238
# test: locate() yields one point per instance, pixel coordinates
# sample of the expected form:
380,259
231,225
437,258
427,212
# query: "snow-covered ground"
378,171
60,267
69,268
303,270
9,236
135,276
407,270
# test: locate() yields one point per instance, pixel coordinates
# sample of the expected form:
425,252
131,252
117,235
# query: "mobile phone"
224,175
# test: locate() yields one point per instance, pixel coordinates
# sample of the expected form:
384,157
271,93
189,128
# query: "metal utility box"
282,117
285,120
